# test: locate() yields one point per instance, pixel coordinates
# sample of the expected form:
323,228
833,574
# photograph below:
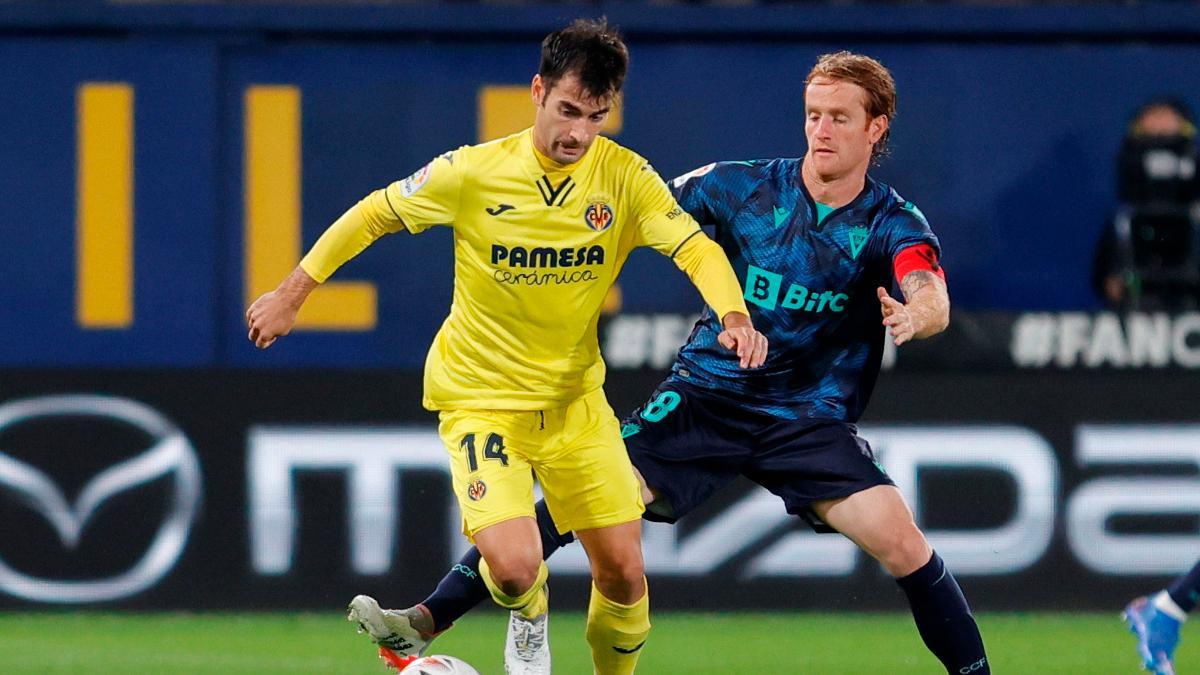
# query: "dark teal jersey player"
817,244
809,275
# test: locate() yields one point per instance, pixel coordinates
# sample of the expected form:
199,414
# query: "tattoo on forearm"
931,310
915,281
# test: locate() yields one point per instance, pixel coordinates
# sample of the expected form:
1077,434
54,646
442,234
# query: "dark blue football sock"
462,588
551,539
943,618
1185,590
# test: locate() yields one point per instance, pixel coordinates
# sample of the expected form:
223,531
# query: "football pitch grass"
681,643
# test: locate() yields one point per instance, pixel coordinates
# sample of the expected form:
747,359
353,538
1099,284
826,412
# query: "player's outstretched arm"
925,311
739,336
706,265
274,313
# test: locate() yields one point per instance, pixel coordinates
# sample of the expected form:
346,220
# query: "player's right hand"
897,317
739,336
269,317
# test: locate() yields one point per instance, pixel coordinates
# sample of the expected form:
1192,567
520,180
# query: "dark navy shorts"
688,444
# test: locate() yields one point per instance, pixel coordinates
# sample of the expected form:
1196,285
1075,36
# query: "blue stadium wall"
151,458
1006,138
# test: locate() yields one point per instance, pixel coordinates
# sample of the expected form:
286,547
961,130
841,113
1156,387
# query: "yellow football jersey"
537,245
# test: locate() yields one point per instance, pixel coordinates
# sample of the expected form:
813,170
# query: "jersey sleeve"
692,193
714,193
906,226
667,228
661,223
707,266
430,196
357,229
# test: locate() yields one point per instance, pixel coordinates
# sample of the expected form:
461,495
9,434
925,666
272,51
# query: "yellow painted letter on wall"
104,205
272,167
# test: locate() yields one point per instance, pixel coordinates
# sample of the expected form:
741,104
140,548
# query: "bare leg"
880,522
512,558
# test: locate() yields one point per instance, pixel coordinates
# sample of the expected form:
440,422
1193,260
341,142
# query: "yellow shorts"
575,451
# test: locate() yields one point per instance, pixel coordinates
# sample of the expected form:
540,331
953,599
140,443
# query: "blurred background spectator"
1149,255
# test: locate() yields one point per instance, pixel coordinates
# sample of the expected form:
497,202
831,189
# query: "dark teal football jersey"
809,283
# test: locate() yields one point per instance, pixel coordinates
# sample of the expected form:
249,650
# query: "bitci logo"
598,216
154,449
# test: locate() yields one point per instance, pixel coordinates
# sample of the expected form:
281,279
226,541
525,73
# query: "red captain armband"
917,257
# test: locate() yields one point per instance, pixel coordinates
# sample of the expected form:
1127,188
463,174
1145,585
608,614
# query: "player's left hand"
896,317
739,336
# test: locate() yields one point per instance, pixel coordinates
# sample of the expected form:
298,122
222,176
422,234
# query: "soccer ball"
439,664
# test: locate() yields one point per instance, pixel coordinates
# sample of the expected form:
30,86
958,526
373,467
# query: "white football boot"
527,645
395,631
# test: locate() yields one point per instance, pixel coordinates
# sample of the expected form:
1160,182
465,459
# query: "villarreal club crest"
598,216
476,490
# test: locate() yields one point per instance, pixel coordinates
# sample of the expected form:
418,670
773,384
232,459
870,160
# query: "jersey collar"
868,188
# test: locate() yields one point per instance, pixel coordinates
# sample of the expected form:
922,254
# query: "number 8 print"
663,404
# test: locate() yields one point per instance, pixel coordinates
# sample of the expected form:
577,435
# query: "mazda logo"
170,453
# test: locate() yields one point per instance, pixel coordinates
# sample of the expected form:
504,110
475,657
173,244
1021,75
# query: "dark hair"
869,74
590,49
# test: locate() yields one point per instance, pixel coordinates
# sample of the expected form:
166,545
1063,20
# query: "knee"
904,552
514,573
621,580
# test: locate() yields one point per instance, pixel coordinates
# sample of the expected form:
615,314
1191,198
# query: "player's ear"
537,90
877,127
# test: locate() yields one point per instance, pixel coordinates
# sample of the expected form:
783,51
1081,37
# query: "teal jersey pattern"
809,283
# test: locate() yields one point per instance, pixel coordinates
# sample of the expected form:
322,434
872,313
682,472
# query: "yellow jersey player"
543,222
